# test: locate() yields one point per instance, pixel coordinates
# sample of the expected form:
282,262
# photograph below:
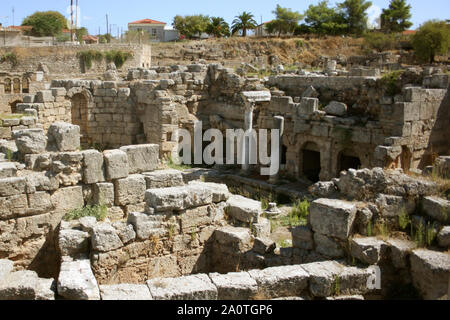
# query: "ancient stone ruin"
92,206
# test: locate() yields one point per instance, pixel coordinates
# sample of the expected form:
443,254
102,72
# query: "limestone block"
308,106
129,190
335,108
262,228
368,250
234,286
144,225
430,271
444,237
105,238
125,231
67,199
302,238
121,292
58,92
142,158
93,167
30,141
244,209
163,179
310,92
285,281
332,217
7,170
194,287
400,252
264,245
116,164
44,96
72,243
219,191
394,206
13,206
103,193
437,208
195,218
234,238
322,277
66,136
178,198
87,223
26,285
41,181
6,267
77,282
12,186
328,246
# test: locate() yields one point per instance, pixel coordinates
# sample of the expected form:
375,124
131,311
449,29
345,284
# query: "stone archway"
25,84
13,105
80,111
347,159
16,85
8,86
311,161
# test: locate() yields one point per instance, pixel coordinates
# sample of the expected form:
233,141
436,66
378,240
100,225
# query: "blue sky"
93,12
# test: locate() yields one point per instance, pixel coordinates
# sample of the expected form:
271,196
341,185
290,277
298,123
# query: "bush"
88,56
432,39
379,41
98,211
118,57
46,24
391,82
9,57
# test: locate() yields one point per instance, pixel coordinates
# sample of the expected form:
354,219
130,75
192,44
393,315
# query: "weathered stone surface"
262,228
93,170
322,277
13,206
26,285
44,96
310,92
7,170
195,287
125,231
77,282
328,246
264,245
234,286
394,206
41,181
103,193
87,223
400,251
332,217
368,250
39,203
144,225
302,238
323,189
430,271
116,164
67,199
163,179
30,141
219,191
437,208
335,108
142,158
244,209
129,190
12,186
235,238
6,267
105,238
66,136
444,237
285,281
125,292
72,243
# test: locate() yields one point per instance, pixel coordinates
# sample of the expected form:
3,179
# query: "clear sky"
93,12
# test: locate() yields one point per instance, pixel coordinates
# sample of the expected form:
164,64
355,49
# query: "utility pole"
71,20
13,16
76,16
107,27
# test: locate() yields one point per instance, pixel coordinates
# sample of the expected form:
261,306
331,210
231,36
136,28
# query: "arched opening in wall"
80,114
16,85
7,86
347,160
310,155
25,85
13,105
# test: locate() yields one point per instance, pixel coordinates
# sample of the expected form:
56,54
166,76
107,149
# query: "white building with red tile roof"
158,30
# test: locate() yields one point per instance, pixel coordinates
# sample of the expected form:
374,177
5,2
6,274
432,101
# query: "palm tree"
218,27
243,22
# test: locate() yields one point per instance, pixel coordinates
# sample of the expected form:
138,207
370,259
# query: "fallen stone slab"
437,208
244,209
26,285
322,277
163,179
104,238
285,281
335,108
142,158
193,287
430,271
368,250
77,282
333,218
219,191
65,136
236,238
400,251
30,141
121,292
234,286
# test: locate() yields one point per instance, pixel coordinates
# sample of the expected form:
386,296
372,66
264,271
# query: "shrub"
98,211
118,57
9,57
391,82
88,56
379,41
404,219
432,39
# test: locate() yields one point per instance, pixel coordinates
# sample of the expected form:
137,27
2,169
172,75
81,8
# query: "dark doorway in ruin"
283,156
311,162
13,106
80,115
25,85
7,85
346,162
16,85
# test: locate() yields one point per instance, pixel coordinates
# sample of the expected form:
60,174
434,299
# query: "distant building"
10,36
261,31
90,40
158,30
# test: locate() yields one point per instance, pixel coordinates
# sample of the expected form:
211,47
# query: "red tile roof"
147,21
21,28
90,38
409,32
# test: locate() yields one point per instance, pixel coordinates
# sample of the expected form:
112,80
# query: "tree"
286,21
80,33
191,26
324,20
355,15
396,17
218,27
46,24
244,22
432,39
